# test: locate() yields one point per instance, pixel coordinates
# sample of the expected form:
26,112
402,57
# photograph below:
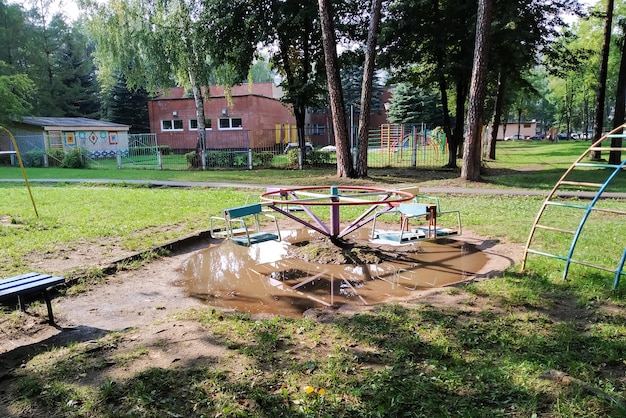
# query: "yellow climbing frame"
19,159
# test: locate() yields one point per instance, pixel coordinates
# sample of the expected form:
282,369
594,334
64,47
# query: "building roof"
48,122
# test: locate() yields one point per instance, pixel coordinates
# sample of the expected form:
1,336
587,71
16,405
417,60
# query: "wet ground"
281,278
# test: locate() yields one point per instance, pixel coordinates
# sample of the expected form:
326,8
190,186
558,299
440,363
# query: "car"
329,148
536,137
514,137
294,145
562,137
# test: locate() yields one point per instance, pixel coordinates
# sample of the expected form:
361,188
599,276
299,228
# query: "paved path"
434,190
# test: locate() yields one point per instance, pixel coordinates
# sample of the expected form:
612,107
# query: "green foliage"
318,157
414,106
55,157
16,91
193,159
262,159
222,159
33,158
126,106
75,159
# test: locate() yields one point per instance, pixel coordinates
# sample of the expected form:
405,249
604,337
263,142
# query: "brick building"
255,118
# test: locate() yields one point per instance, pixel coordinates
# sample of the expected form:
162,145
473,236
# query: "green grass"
485,353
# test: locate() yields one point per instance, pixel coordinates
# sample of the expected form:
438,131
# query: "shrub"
33,158
220,159
55,157
193,160
292,157
75,159
318,157
165,149
5,159
262,159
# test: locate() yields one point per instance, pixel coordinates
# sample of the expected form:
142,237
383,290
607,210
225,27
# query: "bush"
312,157
165,149
292,157
33,158
262,159
220,159
55,157
75,159
193,160
318,157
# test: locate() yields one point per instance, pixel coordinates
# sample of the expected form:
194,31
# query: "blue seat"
238,228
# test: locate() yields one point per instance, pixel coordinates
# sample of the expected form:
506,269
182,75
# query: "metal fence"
389,146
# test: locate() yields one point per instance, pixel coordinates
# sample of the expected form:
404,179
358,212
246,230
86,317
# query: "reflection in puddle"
261,279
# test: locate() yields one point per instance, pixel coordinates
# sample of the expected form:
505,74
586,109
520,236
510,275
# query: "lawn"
525,344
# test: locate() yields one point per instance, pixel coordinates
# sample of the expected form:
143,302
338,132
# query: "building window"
318,129
193,124
230,123
171,125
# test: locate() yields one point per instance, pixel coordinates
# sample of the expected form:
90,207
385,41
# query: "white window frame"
173,122
230,124
207,128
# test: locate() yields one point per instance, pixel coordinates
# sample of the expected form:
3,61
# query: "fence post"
159,160
118,157
249,159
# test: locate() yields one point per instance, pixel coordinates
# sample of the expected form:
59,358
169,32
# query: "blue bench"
30,283
240,232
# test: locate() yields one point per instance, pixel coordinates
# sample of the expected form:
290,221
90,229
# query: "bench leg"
49,306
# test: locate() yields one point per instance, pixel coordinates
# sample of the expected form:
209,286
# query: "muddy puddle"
266,278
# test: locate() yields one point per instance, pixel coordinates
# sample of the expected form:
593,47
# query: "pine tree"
126,106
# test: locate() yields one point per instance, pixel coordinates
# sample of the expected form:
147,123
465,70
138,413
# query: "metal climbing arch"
15,151
562,215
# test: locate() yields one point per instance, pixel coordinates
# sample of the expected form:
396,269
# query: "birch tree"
155,44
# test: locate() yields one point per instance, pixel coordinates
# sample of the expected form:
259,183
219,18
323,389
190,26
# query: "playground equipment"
244,234
16,152
557,212
335,197
423,207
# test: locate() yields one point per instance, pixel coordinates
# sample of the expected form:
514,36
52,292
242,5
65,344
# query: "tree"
602,76
154,44
76,92
126,106
472,155
15,92
615,157
367,87
289,30
344,163
414,105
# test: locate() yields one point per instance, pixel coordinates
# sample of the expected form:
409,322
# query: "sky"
68,8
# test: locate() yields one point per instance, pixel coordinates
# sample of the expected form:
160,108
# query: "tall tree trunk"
344,163
199,104
366,88
442,82
606,46
456,138
472,154
615,157
497,115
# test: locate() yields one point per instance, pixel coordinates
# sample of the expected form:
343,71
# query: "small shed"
100,139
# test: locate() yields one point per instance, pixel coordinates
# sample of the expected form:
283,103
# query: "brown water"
260,279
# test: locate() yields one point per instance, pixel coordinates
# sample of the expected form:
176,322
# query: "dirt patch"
139,299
